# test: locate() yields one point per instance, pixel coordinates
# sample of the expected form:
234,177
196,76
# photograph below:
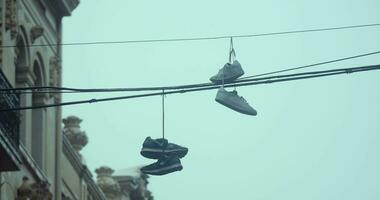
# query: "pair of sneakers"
229,73
167,154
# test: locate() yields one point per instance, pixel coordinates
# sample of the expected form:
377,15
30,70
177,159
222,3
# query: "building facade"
38,159
39,156
125,184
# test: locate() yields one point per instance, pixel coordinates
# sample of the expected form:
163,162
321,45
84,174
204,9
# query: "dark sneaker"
165,165
235,102
229,73
158,148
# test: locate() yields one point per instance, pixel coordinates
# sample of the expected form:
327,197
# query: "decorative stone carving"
41,191
148,194
54,71
71,129
24,192
35,191
54,77
133,184
109,186
36,32
11,17
141,192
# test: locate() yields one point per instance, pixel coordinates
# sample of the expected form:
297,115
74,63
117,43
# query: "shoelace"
244,99
235,92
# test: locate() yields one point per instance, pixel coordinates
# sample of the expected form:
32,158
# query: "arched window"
38,117
21,57
30,72
23,79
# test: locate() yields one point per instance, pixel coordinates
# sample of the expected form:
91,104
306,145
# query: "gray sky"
313,139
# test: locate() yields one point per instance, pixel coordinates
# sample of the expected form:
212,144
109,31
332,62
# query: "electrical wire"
199,38
163,114
313,65
267,80
248,78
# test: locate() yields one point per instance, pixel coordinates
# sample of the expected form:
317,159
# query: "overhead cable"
199,38
238,83
313,65
50,89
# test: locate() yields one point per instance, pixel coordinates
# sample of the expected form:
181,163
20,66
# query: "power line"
199,38
47,89
313,65
267,80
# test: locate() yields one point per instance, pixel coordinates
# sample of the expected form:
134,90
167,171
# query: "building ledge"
76,161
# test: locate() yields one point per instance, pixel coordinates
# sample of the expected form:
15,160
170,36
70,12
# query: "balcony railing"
9,120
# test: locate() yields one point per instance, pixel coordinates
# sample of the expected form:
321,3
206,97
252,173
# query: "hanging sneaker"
165,165
235,102
158,148
229,72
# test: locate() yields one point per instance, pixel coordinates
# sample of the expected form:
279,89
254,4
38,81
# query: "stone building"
38,160
126,184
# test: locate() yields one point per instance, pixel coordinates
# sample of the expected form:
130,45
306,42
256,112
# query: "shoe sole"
158,153
236,109
164,170
229,80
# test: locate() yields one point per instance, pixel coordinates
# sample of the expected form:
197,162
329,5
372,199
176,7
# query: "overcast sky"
315,139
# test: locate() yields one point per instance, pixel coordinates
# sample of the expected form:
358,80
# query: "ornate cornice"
69,5
62,7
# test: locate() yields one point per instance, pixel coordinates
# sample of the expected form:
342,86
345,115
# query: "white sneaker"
235,102
229,73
